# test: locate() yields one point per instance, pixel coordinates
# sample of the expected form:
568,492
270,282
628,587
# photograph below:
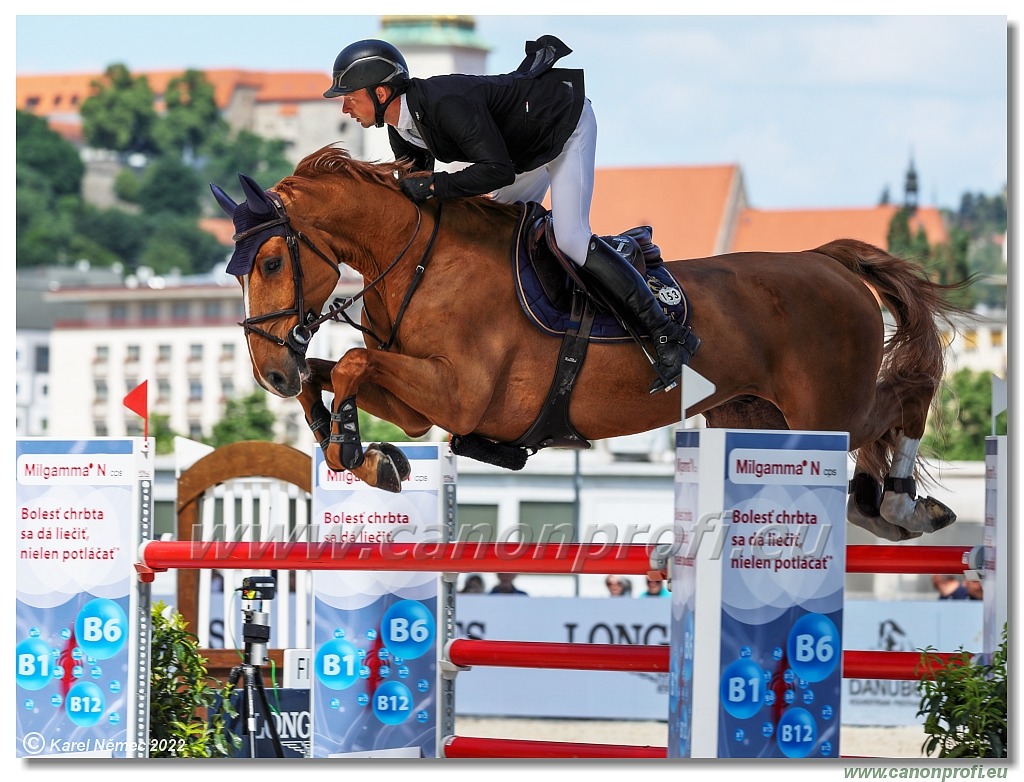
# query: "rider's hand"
418,188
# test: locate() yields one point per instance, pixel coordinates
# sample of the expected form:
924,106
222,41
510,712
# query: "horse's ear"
224,200
258,202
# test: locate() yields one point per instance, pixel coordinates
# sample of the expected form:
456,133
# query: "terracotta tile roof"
687,206
64,93
221,228
804,229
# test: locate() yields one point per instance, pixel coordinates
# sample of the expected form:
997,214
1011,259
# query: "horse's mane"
333,159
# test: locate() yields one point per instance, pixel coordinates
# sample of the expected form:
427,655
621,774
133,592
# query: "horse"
790,340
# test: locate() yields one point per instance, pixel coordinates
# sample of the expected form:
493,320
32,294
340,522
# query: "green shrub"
964,705
185,717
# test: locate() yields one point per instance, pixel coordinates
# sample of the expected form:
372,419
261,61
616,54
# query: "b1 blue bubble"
741,688
84,704
392,703
408,629
814,647
101,628
335,664
33,664
797,733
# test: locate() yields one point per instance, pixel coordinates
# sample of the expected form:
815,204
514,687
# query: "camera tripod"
256,635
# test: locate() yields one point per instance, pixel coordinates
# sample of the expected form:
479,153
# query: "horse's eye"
272,265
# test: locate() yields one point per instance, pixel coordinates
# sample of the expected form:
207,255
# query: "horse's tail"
913,362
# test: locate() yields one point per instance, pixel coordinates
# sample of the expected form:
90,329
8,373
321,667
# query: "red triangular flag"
137,401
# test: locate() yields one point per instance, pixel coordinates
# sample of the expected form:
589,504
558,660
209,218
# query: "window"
477,523
195,430
42,359
970,340
134,351
163,389
227,388
195,351
150,312
546,522
101,390
211,310
102,353
118,313
195,390
181,310
227,350
163,353
997,338
100,428
130,384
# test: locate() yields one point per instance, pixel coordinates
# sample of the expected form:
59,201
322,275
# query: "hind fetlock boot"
630,298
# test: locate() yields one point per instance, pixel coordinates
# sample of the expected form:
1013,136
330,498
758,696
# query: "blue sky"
819,111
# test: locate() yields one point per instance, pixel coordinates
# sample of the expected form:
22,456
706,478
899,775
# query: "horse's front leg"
381,464
311,398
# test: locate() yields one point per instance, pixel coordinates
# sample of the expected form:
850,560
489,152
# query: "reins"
300,335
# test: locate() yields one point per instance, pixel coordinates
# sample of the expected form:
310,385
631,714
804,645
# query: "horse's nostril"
276,379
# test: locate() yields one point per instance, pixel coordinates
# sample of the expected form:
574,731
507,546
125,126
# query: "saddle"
559,303
547,281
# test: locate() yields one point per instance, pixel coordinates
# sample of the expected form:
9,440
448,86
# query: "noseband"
309,323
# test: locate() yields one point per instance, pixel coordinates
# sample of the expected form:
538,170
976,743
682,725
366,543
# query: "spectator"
974,589
656,587
474,584
505,585
949,588
618,586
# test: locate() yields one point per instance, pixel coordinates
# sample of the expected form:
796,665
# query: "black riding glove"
417,188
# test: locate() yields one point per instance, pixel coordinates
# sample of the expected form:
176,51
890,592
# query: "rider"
521,133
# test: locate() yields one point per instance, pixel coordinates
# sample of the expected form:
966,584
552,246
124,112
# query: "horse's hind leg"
900,504
889,508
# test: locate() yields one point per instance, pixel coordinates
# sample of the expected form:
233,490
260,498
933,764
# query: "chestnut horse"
789,340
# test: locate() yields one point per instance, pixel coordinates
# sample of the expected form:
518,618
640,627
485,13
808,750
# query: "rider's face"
359,106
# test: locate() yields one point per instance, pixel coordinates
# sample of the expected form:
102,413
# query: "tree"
247,418
169,185
961,418
56,163
263,159
120,115
160,427
179,244
380,431
190,118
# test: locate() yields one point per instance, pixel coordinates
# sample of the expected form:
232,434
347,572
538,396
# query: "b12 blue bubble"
797,733
392,703
84,704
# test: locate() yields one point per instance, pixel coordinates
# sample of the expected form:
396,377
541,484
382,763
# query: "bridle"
309,323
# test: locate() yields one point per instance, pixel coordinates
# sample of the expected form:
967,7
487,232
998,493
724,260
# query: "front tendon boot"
626,292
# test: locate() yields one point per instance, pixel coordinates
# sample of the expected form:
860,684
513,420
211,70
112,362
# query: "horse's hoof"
387,474
924,514
877,526
395,454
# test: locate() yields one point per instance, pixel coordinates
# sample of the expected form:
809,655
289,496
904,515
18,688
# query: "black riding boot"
631,300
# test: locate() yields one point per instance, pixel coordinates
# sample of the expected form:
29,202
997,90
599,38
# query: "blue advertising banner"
79,524
375,678
758,577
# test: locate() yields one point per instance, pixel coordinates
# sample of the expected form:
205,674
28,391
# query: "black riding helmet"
366,65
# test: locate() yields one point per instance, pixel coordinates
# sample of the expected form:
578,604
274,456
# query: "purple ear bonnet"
257,209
